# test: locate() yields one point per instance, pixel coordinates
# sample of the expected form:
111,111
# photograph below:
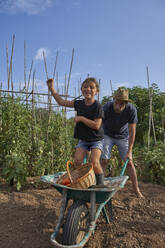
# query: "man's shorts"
90,145
108,143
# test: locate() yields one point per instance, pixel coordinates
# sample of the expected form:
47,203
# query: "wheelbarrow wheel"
77,223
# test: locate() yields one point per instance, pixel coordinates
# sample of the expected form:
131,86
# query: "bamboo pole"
7,60
151,121
70,72
29,75
35,93
55,65
99,91
49,96
33,121
79,87
46,71
11,58
25,63
12,86
149,127
57,87
65,89
28,83
111,87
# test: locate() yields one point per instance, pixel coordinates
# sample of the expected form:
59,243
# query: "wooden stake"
57,87
45,65
7,60
70,71
111,87
25,63
54,72
151,120
29,75
99,91
10,68
33,111
149,128
49,96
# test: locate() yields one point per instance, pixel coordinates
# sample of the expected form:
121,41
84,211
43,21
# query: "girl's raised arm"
57,97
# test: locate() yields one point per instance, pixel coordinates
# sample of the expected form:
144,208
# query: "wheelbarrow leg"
93,206
109,204
106,217
62,211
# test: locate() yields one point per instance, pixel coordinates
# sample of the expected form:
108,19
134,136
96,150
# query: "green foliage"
115,164
37,142
106,99
151,164
32,143
140,97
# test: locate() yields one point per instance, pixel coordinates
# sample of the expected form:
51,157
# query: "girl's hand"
77,118
50,83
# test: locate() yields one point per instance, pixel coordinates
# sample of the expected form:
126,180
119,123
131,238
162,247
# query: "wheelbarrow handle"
124,167
68,169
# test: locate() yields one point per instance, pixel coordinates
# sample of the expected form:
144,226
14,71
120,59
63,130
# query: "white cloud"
31,7
39,53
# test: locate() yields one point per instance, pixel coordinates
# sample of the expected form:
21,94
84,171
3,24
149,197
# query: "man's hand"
129,156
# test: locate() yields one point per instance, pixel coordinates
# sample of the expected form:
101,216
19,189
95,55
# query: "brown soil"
28,218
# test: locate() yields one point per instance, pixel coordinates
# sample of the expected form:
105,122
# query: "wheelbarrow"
77,222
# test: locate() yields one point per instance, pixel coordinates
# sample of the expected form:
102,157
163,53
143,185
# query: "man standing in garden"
119,123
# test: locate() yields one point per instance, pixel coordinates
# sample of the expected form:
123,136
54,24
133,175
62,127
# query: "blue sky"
113,40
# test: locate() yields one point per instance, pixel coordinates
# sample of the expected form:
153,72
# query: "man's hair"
91,79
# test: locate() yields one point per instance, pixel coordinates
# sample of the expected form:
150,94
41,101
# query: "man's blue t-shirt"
116,124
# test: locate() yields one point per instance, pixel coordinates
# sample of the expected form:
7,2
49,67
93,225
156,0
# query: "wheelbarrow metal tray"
102,194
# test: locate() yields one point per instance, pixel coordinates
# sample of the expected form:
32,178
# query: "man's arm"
132,133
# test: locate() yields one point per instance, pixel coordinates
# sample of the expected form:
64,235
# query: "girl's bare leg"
95,160
79,156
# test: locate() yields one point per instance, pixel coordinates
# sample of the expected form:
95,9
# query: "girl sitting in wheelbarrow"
88,129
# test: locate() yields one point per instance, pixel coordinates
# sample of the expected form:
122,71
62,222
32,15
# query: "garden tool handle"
124,167
68,170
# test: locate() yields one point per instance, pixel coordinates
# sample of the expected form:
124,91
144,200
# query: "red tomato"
65,181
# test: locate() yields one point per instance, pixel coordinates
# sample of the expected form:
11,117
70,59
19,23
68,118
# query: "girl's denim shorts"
90,145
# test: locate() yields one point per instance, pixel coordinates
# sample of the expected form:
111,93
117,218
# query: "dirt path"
28,218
